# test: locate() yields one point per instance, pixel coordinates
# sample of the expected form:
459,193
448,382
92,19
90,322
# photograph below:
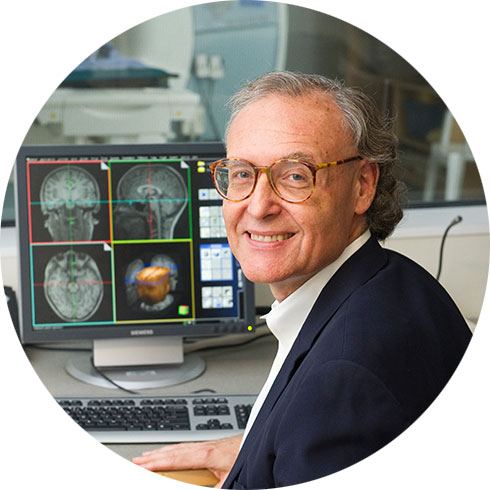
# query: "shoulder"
405,291
401,326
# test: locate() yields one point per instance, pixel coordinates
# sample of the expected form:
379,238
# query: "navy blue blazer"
377,348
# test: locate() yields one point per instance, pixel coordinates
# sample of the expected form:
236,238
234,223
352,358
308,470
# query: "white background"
447,42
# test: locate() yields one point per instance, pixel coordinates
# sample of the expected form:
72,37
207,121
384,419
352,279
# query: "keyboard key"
214,424
223,410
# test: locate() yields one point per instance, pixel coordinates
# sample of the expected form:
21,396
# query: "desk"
229,370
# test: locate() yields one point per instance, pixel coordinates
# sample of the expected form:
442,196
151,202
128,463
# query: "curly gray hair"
372,132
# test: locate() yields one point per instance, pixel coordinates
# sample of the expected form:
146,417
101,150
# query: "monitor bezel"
29,335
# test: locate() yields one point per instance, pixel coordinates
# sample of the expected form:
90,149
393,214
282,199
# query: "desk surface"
229,370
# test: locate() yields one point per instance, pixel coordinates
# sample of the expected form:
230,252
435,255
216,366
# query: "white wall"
466,251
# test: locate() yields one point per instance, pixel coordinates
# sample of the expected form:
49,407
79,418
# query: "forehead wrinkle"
296,133
299,155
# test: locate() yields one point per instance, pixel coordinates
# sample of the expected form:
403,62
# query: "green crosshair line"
71,222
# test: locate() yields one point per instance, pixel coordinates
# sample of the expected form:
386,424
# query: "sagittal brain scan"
70,201
150,201
73,285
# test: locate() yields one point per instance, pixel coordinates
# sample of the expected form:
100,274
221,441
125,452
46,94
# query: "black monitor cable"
100,373
455,221
233,340
131,392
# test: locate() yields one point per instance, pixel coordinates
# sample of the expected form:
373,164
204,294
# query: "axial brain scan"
151,199
70,199
73,285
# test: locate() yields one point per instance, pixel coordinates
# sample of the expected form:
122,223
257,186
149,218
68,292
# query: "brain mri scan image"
149,286
70,200
73,285
151,199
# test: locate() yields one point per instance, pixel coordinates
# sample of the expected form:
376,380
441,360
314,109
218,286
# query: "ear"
367,181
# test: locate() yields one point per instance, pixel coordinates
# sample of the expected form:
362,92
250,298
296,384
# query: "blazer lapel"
359,268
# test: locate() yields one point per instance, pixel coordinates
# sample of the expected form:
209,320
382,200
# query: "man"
367,339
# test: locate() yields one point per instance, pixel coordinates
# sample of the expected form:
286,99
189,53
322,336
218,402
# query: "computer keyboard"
143,419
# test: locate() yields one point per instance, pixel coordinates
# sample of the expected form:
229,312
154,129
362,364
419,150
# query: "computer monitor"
125,245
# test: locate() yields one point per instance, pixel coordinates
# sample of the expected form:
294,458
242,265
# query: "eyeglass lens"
293,181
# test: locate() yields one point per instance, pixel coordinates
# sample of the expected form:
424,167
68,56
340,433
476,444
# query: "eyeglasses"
292,180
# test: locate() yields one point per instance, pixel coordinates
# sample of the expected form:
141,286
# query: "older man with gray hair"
367,339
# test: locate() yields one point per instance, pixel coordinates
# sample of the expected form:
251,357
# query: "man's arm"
216,456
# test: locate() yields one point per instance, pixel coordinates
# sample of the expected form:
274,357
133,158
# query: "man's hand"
216,456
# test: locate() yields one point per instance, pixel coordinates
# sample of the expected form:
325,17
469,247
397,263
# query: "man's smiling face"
281,243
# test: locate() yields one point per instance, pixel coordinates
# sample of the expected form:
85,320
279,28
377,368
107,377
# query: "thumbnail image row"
70,202
76,284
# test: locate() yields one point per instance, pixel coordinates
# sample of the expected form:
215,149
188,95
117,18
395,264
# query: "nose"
263,202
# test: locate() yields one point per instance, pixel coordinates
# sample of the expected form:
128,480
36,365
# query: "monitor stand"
135,364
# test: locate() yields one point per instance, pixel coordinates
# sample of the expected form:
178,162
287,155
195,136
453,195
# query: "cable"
455,221
204,390
100,373
226,341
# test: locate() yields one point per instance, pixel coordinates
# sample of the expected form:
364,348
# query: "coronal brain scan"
73,285
149,286
150,201
70,200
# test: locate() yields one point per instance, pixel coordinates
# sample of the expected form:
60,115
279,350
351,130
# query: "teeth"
271,238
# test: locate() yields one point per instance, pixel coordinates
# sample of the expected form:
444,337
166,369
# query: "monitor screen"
123,241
